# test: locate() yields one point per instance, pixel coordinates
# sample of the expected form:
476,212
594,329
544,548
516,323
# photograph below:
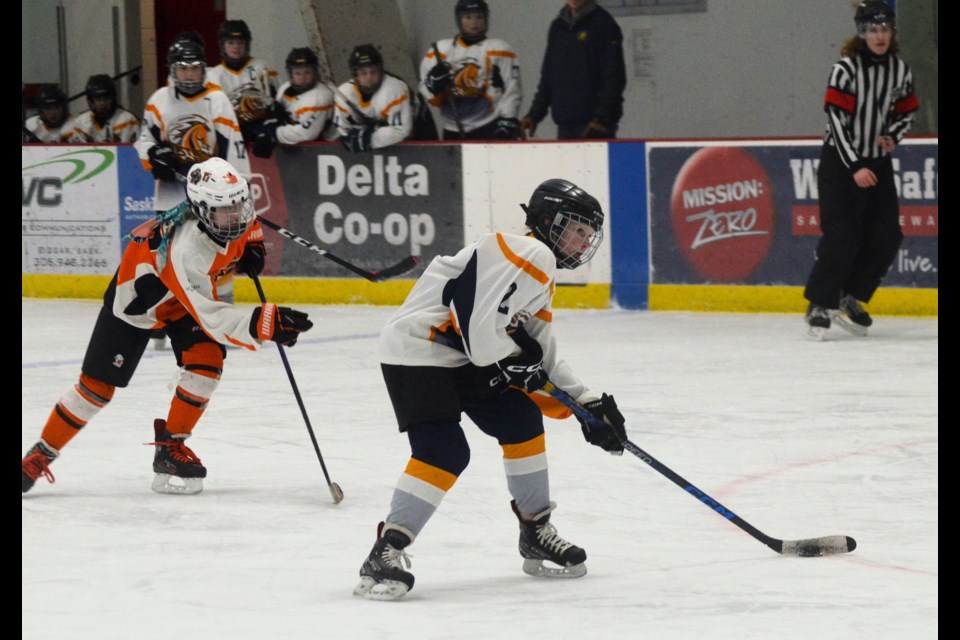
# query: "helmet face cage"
568,220
874,12
187,54
573,238
220,198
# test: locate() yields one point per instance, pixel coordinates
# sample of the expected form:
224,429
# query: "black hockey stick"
335,491
453,100
806,548
392,271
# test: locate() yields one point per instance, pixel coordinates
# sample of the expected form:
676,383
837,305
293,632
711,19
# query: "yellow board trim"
766,299
297,290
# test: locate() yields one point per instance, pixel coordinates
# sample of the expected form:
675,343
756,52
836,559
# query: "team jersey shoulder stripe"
524,265
227,122
502,54
845,101
543,314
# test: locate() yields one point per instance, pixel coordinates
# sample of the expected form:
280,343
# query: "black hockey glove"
163,163
266,139
280,324
507,129
438,78
524,371
611,436
253,259
358,139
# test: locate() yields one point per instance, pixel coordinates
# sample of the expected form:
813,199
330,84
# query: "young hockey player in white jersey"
304,108
184,123
53,122
475,84
105,121
374,109
170,277
474,337
246,80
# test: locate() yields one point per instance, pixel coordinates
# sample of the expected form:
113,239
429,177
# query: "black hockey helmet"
48,98
874,12
554,208
234,30
101,86
465,7
302,57
186,50
365,55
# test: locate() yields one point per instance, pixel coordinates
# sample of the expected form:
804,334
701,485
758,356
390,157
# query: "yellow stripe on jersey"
526,449
443,480
522,264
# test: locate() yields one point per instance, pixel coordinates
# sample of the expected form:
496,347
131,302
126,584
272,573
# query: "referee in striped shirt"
870,102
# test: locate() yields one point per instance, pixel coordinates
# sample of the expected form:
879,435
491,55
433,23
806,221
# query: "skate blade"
165,483
535,567
848,325
370,589
817,333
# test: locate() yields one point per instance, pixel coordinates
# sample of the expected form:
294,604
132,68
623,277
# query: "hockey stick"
453,101
362,118
335,491
397,269
806,548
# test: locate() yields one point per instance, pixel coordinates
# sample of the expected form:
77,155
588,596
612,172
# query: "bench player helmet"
466,7
220,197
567,219
189,52
51,102
234,30
101,86
874,12
302,57
365,55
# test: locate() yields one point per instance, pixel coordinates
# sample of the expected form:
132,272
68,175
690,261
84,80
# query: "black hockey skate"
382,576
539,541
37,463
853,317
818,320
177,468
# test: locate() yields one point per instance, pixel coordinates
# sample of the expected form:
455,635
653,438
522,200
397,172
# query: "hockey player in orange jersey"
169,278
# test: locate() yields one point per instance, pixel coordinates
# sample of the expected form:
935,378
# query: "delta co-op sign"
748,215
372,209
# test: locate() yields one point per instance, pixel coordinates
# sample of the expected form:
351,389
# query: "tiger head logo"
466,81
249,103
191,139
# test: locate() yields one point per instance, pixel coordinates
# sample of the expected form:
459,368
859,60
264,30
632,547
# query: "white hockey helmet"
220,197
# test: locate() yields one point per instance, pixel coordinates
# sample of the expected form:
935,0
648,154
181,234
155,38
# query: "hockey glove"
253,259
263,145
438,78
280,324
163,163
358,139
611,436
507,129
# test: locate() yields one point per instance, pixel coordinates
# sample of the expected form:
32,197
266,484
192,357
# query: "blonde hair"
855,45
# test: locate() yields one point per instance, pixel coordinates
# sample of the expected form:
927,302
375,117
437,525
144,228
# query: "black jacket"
583,76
